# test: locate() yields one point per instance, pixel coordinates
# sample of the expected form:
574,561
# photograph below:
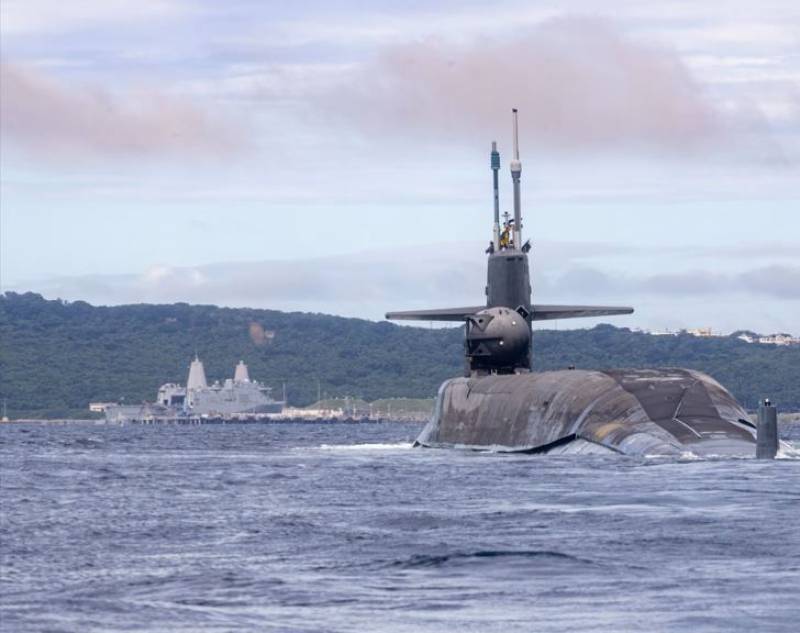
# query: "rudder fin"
442,314
550,312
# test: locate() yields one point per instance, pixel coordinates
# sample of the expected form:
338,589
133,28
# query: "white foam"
788,450
366,447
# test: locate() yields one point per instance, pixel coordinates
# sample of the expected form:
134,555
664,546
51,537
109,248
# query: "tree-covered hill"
56,357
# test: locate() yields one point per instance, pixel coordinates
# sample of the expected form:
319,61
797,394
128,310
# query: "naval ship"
231,399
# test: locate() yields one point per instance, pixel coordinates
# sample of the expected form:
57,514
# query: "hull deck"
629,411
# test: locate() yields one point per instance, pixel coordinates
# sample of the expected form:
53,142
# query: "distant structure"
702,332
770,339
230,399
100,407
748,337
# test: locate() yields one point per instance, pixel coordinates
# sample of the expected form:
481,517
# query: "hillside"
56,357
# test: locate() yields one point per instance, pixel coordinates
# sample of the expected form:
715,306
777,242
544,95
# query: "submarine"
501,404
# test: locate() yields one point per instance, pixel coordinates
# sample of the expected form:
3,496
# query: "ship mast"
495,165
516,172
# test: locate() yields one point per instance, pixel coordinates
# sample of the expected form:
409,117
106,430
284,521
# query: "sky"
333,156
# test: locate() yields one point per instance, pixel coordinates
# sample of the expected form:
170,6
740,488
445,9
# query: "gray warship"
233,398
501,404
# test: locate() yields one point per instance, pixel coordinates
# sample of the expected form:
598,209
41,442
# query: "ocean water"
345,527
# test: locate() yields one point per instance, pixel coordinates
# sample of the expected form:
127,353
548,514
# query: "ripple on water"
479,557
344,527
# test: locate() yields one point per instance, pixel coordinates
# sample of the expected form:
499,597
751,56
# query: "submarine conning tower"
508,278
498,334
498,339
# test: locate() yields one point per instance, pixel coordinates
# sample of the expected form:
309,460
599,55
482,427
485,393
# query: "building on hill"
781,338
700,331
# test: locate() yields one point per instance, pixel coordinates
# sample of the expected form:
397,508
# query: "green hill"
56,357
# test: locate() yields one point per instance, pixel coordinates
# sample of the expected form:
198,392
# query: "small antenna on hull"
495,164
516,172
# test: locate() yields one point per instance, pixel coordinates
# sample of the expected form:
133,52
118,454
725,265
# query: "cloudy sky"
333,156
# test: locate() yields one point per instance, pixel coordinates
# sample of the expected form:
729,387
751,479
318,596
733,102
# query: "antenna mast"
495,164
516,172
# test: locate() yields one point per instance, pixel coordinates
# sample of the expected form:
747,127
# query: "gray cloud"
362,283
57,121
780,282
579,81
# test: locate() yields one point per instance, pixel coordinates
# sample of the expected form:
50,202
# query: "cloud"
31,16
358,280
578,82
366,284
56,121
369,284
781,282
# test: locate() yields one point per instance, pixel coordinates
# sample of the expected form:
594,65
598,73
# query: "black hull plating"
629,411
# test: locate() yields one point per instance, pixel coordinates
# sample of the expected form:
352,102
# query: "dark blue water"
312,527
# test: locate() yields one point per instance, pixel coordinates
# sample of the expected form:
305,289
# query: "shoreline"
784,418
217,421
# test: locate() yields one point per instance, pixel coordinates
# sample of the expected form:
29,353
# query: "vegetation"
56,356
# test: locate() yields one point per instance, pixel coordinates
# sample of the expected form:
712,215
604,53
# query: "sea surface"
345,527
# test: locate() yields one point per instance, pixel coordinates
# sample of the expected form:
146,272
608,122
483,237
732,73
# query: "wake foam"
366,447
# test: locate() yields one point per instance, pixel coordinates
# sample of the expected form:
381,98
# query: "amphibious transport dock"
500,404
230,399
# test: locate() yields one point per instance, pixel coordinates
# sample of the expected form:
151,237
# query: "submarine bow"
632,411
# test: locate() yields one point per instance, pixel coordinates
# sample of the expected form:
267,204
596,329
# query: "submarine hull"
640,412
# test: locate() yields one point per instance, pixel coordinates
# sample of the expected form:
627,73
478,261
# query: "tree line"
58,356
